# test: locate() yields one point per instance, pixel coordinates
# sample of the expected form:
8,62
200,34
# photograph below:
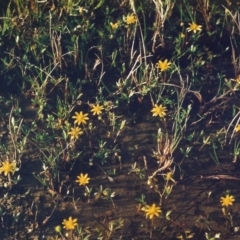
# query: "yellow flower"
227,200
237,129
159,111
114,25
69,224
152,211
97,109
8,167
75,132
130,19
163,66
83,179
194,27
80,118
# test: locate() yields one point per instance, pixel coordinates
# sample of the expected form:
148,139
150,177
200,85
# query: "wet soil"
194,202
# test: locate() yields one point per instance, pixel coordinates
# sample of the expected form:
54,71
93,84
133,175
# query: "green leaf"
100,4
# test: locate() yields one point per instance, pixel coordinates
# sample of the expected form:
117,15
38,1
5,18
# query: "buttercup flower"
130,19
194,27
159,111
163,66
83,179
80,118
8,167
227,200
69,224
75,132
152,211
237,129
114,25
97,109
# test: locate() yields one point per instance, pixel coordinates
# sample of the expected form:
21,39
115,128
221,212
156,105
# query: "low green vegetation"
119,119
